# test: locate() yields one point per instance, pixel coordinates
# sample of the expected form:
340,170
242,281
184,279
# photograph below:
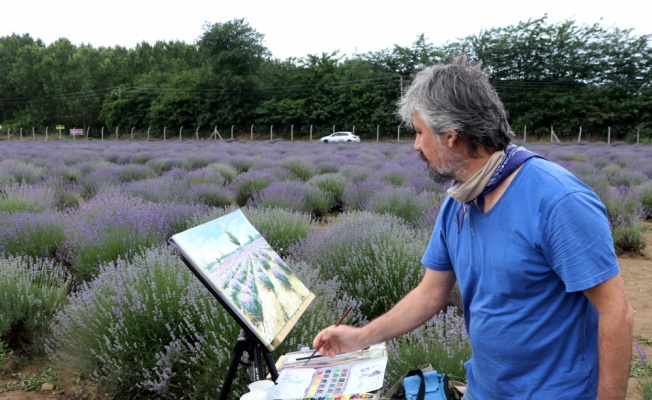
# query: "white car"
340,137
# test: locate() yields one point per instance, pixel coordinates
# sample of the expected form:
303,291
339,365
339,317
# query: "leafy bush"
146,327
31,291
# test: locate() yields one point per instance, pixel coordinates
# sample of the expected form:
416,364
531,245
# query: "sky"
296,28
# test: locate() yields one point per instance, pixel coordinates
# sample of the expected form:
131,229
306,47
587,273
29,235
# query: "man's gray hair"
458,96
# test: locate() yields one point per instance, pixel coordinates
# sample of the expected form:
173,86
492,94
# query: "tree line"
548,74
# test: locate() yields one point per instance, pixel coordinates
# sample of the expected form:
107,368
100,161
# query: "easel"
248,351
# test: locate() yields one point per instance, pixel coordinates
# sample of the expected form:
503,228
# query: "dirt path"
637,274
636,271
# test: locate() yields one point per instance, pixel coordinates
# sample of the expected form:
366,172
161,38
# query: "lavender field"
86,277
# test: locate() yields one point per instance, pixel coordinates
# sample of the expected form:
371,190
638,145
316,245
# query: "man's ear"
451,139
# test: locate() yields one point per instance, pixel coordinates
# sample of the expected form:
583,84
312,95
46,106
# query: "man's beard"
452,168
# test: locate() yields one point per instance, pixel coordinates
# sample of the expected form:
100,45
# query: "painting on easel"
247,276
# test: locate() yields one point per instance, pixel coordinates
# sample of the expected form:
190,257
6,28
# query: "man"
529,244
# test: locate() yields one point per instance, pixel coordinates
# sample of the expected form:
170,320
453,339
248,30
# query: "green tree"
233,51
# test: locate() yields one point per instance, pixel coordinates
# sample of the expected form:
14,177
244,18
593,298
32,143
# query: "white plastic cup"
264,386
255,395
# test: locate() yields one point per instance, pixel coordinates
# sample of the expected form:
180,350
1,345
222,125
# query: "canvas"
246,275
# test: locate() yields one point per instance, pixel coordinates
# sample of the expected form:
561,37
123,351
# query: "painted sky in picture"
296,28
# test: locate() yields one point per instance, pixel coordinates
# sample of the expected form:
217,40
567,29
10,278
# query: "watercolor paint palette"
338,382
328,382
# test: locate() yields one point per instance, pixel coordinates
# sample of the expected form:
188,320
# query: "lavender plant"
145,328
170,187
625,215
281,228
375,257
112,225
32,290
33,234
442,341
405,203
301,168
210,195
26,197
227,171
333,183
21,170
246,184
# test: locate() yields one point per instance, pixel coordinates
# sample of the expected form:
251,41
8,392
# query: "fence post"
609,135
33,134
180,130
232,126
21,134
164,129
116,133
132,132
291,133
377,133
579,138
311,133
638,135
102,135
271,132
525,134
197,133
46,133
252,133
333,128
353,129
398,134
148,129
88,130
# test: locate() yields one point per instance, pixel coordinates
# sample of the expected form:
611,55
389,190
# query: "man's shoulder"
552,177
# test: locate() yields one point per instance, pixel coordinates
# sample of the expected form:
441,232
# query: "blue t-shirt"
521,268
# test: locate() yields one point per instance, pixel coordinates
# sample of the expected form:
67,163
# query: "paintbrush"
348,310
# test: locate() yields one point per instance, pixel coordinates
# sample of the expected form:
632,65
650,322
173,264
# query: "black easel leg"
238,348
271,366
256,356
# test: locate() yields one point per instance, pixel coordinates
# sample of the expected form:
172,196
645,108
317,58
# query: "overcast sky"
296,28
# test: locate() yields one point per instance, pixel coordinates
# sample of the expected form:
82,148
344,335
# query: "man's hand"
338,339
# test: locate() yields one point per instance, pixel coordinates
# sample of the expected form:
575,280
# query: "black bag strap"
421,395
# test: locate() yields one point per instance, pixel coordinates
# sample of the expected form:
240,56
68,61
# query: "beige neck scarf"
471,189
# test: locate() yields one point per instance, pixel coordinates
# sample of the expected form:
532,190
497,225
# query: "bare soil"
636,272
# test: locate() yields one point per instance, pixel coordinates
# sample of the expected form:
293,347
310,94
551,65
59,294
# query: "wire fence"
398,133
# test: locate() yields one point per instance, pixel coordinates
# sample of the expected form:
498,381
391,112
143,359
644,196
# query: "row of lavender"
86,222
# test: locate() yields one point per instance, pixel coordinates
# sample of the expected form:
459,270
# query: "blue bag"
419,385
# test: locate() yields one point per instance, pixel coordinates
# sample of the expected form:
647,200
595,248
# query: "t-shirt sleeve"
577,242
436,255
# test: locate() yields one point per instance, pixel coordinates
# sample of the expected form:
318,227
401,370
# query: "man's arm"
424,301
616,321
